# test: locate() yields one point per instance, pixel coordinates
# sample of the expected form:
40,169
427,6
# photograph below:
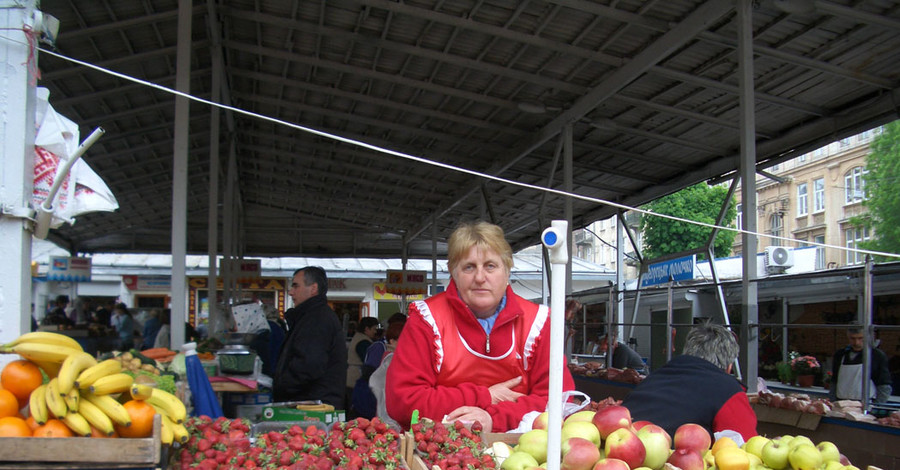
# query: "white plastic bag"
568,408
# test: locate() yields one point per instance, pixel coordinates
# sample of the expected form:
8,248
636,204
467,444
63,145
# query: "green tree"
701,203
882,196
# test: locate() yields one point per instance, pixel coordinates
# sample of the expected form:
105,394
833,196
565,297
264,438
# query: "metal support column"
568,168
749,333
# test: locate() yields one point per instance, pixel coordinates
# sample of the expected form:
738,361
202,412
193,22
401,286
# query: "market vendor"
847,371
623,357
478,351
696,387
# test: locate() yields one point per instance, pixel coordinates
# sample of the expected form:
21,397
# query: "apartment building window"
854,237
739,222
845,142
776,229
818,195
801,158
802,200
854,185
820,252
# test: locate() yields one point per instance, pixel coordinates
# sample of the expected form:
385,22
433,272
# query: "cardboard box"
278,413
798,419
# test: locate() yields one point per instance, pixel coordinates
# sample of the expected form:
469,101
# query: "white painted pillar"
179,174
17,101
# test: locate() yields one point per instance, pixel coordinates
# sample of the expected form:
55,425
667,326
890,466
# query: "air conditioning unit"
778,258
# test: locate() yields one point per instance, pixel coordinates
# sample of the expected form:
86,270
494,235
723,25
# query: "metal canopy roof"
651,88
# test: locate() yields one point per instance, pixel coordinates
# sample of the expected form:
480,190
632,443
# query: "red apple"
625,445
578,454
687,459
611,418
692,436
637,425
541,421
611,464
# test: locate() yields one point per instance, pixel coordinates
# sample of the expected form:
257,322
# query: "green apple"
519,461
798,440
583,415
829,451
583,429
805,457
535,443
755,444
754,460
775,454
833,465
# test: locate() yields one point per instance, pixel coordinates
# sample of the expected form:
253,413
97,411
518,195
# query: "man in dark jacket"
313,361
696,387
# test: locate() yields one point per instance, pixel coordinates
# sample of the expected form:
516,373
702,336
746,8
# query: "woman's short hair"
712,342
481,234
393,331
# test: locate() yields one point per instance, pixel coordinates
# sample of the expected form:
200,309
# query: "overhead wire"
445,166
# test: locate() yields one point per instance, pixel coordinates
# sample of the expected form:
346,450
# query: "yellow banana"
181,432
71,368
77,424
103,368
41,352
72,399
167,433
317,407
49,368
115,383
109,406
96,417
37,405
140,391
45,337
55,402
168,405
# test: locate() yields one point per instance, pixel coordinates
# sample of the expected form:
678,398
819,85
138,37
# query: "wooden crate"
81,452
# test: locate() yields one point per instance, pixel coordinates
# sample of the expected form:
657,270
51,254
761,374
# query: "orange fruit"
11,426
141,414
53,428
97,433
31,423
21,378
9,404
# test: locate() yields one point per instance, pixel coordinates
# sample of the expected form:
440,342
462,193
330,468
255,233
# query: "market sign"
68,269
406,282
156,283
248,270
381,293
679,269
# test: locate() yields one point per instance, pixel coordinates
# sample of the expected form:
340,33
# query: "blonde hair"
480,234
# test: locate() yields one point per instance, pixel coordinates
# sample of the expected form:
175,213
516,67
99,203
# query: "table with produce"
63,408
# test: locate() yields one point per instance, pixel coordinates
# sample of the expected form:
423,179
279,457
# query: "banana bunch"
171,410
46,349
82,392
316,407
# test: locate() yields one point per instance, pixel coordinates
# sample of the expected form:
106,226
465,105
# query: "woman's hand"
503,391
470,414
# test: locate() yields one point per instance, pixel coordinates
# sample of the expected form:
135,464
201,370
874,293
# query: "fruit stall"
65,409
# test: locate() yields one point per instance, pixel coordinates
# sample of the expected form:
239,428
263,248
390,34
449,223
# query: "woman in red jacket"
478,351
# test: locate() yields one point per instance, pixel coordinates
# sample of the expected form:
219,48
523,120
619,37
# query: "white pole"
555,239
19,58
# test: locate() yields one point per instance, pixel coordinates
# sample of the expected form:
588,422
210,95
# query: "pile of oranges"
19,378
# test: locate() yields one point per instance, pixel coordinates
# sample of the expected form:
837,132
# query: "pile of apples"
608,439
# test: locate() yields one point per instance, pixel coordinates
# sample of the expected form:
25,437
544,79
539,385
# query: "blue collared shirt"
488,323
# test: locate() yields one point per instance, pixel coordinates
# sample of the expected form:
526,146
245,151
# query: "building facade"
813,200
